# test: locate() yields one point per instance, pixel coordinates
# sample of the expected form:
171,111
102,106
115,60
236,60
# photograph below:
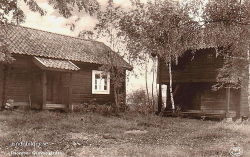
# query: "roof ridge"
58,34
66,36
54,33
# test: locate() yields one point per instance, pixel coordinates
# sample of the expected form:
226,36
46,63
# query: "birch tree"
169,28
161,27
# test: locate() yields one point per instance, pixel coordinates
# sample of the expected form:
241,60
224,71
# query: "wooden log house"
56,71
193,78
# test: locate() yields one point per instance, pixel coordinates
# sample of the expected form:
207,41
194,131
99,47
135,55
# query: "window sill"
100,92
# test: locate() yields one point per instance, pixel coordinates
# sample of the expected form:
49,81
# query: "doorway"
49,87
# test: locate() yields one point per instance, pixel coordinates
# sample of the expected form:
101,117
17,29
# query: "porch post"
228,116
1,85
228,99
159,100
167,97
244,106
44,90
70,92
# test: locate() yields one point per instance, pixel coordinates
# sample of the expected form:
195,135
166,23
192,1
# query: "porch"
197,100
38,83
52,90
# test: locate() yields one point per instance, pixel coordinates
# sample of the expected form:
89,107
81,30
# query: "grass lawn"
90,134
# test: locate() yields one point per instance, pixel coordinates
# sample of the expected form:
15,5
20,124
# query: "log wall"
211,101
19,78
82,86
199,96
200,67
24,78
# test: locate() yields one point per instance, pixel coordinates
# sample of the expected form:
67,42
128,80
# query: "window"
100,82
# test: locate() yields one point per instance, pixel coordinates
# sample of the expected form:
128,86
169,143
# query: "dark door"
49,84
190,96
65,88
36,96
194,94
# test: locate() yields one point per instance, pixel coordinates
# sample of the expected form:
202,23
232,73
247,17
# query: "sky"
56,23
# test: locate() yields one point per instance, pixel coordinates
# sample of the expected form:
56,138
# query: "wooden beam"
44,90
70,92
159,99
244,104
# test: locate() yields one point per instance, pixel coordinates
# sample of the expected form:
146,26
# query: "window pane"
97,76
105,84
104,76
102,84
99,85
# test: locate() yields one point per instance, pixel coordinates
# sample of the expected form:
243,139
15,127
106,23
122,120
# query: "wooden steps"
55,106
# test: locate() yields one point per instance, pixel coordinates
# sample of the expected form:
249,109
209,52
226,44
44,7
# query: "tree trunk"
116,105
146,81
170,85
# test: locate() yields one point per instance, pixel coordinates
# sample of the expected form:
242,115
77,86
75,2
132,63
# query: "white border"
93,83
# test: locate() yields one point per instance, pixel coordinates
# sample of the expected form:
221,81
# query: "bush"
138,101
94,107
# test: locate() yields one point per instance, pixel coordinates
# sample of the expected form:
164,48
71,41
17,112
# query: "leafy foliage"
11,7
65,7
139,101
117,76
162,27
10,12
138,97
170,28
227,28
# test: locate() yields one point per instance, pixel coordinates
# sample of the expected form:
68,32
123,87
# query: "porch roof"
48,63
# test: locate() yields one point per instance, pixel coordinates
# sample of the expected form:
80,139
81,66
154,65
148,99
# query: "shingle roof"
24,40
57,63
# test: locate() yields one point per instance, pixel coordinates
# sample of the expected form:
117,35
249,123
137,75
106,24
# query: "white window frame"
102,91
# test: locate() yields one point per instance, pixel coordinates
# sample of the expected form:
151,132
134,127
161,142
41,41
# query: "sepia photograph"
124,78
